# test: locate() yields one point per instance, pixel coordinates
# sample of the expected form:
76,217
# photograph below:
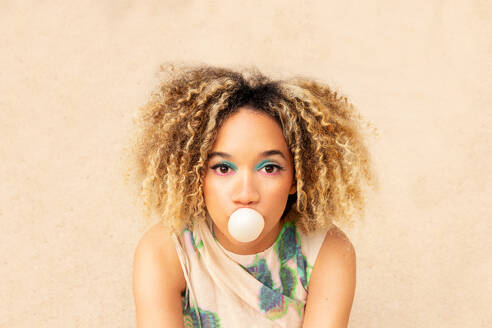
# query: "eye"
271,168
223,168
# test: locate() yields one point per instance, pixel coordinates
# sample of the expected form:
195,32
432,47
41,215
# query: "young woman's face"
250,165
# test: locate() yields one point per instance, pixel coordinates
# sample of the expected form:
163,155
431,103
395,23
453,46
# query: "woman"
213,141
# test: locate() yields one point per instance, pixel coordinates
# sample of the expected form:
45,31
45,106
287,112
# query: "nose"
246,191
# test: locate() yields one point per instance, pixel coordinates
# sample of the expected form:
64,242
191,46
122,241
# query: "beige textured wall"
72,75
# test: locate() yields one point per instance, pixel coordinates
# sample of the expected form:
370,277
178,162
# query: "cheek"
279,198
282,187
278,194
208,187
213,193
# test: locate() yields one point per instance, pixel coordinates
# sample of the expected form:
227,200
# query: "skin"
332,284
247,178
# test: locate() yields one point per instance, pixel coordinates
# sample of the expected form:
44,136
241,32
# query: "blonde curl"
179,124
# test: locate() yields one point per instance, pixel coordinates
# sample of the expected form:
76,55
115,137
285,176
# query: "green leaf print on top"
289,280
304,270
275,300
273,303
196,246
287,247
208,319
271,299
259,269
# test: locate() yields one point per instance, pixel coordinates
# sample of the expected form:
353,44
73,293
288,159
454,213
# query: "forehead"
250,132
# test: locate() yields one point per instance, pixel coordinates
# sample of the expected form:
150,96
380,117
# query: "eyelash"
278,167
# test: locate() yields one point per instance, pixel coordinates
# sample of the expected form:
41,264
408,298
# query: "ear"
293,189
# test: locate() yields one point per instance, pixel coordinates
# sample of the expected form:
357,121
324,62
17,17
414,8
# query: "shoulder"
158,279
332,284
156,251
337,247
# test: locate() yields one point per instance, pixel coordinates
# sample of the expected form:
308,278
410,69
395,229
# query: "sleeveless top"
267,289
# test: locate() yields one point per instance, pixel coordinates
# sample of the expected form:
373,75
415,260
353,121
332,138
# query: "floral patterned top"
267,289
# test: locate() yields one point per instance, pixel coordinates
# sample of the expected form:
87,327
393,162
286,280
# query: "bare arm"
158,281
332,283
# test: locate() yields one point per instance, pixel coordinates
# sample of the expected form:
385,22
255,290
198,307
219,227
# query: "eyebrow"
263,154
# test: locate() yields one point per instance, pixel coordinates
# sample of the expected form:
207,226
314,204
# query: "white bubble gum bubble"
245,224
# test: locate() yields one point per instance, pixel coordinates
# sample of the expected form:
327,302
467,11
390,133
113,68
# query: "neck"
259,245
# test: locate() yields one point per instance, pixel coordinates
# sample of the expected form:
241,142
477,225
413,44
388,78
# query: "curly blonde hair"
177,128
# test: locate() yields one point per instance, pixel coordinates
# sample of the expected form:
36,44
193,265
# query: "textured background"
72,75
